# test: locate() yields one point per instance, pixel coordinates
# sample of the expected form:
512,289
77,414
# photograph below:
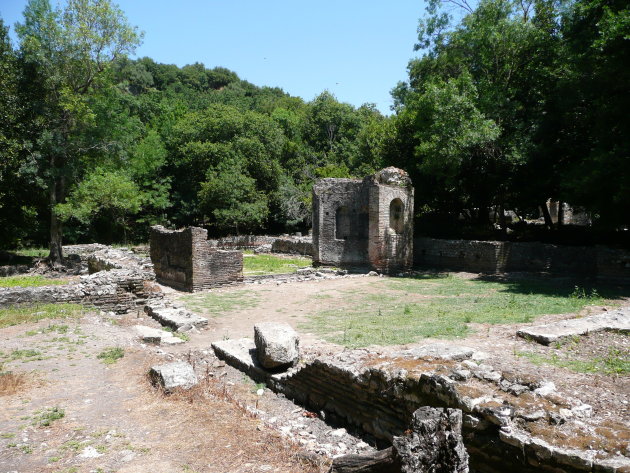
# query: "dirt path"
114,420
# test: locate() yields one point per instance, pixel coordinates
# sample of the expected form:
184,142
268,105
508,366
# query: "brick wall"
186,260
353,226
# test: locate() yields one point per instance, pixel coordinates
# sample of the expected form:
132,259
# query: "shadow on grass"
559,286
535,284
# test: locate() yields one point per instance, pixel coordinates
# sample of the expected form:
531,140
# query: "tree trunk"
546,215
55,256
560,213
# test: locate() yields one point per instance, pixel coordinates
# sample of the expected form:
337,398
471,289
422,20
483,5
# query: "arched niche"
396,216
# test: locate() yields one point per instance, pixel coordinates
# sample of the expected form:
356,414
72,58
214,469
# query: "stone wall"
186,260
364,223
122,283
501,410
243,242
294,246
497,256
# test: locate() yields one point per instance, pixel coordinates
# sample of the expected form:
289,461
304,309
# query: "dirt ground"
115,421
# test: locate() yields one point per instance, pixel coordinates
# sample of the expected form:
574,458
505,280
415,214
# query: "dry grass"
213,426
248,443
11,383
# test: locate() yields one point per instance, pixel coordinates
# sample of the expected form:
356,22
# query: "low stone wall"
120,282
294,246
497,256
13,269
187,260
117,290
243,242
378,395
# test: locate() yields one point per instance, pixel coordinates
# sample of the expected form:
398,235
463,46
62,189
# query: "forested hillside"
510,105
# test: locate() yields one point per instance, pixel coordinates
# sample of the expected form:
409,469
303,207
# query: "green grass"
30,281
110,356
33,252
616,362
254,265
220,303
47,416
15,315
24,355
403,310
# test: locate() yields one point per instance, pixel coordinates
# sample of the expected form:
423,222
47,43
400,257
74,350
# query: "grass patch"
403,310
616,362
15,315
255,265
24,355
219,303
47,416
30,281
110,356
33,252
180,335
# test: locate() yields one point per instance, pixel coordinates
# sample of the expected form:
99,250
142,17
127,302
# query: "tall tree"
66,53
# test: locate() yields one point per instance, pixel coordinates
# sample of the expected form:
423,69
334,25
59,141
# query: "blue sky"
358,50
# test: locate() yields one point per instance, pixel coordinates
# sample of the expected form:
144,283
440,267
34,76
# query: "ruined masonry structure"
369,222
186,260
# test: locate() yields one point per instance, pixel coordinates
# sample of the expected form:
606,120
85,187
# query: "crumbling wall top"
392,176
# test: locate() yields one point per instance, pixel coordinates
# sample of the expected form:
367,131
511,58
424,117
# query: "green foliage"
103,193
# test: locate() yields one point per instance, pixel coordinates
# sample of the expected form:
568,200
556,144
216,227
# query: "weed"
180,335
72,445
7,435
47,416
26,449
110,356
54,459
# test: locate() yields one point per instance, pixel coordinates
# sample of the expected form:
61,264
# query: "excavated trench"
378,396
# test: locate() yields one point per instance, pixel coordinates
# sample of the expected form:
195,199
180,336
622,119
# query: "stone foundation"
378,396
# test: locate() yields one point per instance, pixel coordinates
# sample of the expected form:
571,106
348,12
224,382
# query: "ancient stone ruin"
186,260
369,222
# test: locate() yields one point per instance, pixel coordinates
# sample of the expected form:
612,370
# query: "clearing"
76,397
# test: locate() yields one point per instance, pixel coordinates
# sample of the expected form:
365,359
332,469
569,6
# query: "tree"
471,111
231,198
111,195
66,54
